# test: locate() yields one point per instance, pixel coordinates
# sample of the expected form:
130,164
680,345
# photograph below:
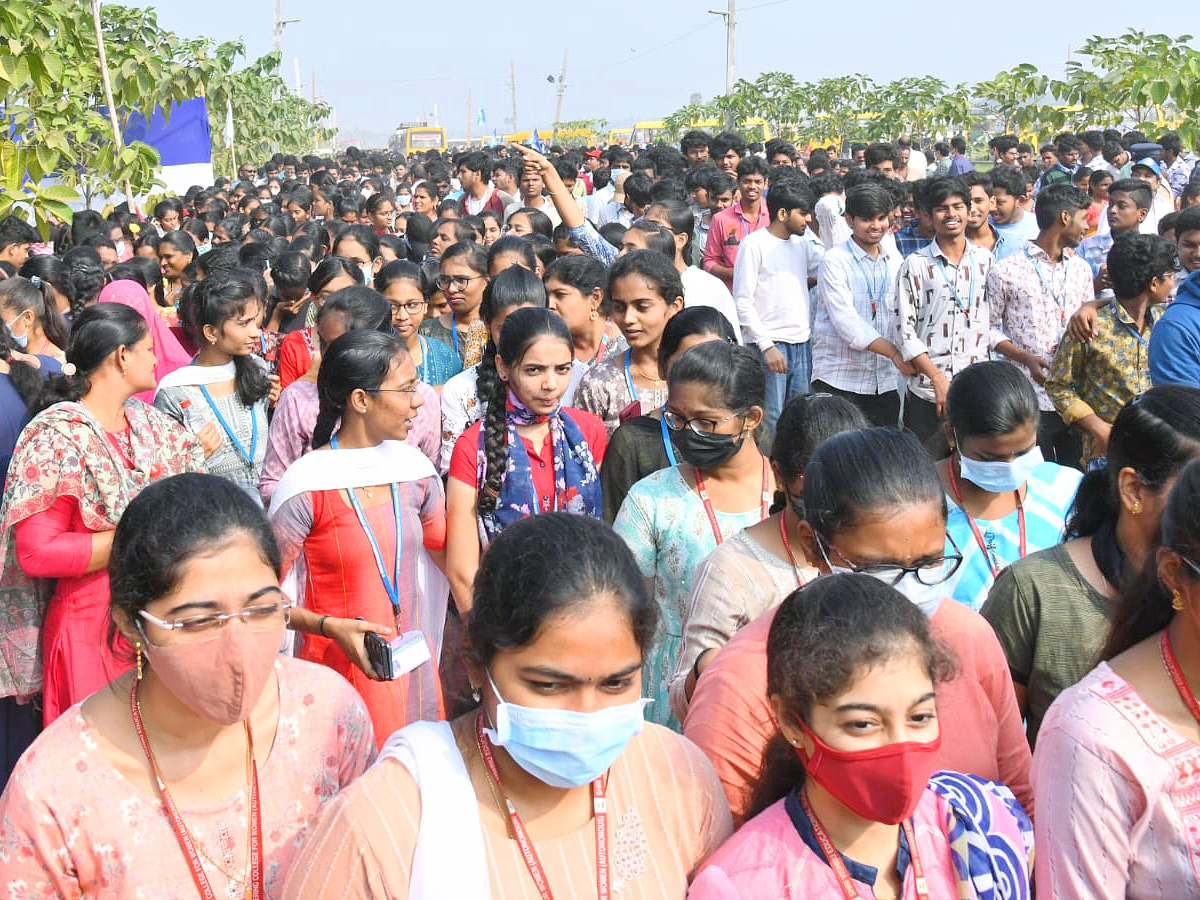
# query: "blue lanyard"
954,287
1132,329
1046,284
392,586
876,294
454,336
423,369
248,457
666,436
262,343
633,394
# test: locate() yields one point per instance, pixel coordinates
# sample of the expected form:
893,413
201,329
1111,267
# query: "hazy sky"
380,63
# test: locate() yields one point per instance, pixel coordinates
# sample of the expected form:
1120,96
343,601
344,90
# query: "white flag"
228,123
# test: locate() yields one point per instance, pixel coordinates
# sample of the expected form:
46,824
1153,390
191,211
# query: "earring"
593,316
475,694
1176,600
138,647
795,742
1136,508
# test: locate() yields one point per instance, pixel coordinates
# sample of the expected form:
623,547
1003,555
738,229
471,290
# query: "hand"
941,387
276,387
906,368
348,634
1102,281
210,438
775,361
1038,370
1082,326
534,161
1100,432
314,366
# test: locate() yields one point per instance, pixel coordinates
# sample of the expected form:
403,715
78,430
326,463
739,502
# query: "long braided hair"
520,331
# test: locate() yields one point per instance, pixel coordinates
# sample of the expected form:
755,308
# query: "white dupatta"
337,470
195,376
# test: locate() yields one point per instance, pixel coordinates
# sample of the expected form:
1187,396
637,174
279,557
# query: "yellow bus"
412,138
619,137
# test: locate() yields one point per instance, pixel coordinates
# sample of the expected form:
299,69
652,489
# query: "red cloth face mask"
882,784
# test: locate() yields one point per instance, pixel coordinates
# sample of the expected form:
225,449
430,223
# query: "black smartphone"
379,654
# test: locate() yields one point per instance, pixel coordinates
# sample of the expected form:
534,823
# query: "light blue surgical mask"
561,747
368,272
21,341
997,476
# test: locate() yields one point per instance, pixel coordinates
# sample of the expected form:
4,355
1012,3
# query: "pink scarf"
167,349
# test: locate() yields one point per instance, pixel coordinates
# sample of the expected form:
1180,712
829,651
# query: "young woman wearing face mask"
462,278
223,396
575,285
1052,610
645,293
848,805
555,779
674,518
80,461
1116,752
642,445
360,245
1005,500
400,284
297,349
367,512
31,317
295,416
529,454
760,565
201,769
873,503
56,274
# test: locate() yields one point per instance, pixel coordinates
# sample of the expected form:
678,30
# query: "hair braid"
493,391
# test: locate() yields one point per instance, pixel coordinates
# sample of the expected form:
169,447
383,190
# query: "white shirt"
546,206
848,318
770,287
830,212
917,165
702,288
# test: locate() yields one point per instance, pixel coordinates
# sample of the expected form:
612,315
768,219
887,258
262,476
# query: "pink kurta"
72,826
1118,798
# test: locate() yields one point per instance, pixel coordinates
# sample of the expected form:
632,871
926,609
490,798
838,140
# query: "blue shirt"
908,240
1174,353
1050,491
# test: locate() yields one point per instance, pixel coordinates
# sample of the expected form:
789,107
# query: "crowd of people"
712,520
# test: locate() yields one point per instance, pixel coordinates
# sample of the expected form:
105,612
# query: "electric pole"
280,22
730,16
562,89
512,82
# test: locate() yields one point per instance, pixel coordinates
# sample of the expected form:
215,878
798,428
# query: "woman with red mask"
848,803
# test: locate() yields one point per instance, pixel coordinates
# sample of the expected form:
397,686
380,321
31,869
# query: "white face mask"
927,598
997,476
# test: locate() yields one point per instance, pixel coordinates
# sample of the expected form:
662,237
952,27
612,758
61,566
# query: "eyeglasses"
459,282
929,572
698,425
412,308
207,626
403,390
1187,562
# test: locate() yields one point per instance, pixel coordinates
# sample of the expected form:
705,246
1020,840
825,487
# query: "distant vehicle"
417,137
619,137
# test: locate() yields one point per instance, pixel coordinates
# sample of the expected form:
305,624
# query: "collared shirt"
1102,376
1056,173
942,310
770,287
909,240
960,165
1179,173
1094,251
727,230
856,302
1003,247
1031,312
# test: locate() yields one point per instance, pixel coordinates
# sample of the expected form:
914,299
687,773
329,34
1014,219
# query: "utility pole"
562,89
280,22
512,82
730,16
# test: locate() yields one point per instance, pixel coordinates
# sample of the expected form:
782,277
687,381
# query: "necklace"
192,849
787,545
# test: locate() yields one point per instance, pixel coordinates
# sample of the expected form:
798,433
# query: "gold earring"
1176,600
1136,508
138,647
593,316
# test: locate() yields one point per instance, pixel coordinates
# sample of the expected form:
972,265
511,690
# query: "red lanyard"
988,553
838,865
787,545
599,816
1181,685
708,507
254,890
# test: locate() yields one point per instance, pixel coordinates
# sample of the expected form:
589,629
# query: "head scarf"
167,349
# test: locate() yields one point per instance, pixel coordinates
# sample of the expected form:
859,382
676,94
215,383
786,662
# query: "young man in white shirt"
774,270
853,354
943,324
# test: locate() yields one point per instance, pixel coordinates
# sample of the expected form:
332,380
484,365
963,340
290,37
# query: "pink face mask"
220,679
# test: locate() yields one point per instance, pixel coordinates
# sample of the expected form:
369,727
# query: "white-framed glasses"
270,610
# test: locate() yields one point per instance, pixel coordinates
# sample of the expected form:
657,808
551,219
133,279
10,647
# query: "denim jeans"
792,383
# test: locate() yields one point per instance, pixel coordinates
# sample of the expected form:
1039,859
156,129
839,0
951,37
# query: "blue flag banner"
183,141
536,142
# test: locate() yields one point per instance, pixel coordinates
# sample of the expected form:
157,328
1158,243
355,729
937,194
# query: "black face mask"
706,451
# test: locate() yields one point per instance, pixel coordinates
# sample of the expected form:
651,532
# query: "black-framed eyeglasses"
699,425
930,572
412,307
460,282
